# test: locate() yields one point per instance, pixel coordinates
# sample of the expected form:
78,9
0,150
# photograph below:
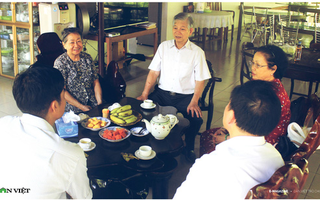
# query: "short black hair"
68,31
275,56
35,89
256,107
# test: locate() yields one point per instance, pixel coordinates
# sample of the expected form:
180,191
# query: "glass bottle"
298,53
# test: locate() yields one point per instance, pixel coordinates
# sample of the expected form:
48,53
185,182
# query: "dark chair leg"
317,85
291,88
310,88
209,120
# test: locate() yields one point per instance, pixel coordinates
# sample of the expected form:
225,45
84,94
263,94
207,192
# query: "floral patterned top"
281,128
78,79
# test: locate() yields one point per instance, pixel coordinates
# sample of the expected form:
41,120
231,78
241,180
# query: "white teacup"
145,151
147,103
85,143
173,119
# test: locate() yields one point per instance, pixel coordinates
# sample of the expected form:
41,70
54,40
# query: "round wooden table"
108,154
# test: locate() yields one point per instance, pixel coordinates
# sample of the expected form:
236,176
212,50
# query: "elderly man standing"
183,70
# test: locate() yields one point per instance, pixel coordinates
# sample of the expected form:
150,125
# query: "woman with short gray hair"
83,90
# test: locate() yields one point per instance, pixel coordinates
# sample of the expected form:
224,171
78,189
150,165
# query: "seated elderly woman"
50,47
83,90
269,64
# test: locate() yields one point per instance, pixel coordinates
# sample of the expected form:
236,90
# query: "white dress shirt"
180,68
230,171
39,161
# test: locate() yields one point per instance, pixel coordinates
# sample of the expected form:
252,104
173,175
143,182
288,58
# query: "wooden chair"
286,183
310,144
249,21
226,29
247,55
208,93
218,6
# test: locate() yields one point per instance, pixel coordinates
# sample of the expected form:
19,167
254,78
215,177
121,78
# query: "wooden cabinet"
19,29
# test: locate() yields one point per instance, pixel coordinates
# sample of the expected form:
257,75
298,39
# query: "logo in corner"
3,190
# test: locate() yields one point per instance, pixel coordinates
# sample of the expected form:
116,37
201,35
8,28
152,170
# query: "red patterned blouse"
281,128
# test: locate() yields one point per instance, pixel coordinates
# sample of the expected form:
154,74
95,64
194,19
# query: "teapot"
160,125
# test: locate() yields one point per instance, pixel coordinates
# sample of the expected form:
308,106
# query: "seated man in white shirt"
244,160
36,162
183,69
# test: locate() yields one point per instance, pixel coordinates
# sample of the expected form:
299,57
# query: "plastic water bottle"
298,53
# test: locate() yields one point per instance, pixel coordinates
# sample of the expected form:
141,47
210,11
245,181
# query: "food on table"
105,113
95,123
117,134
123,115
128,156
117,120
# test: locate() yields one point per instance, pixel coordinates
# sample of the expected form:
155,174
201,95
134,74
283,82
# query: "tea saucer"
142,106
137,153
92,146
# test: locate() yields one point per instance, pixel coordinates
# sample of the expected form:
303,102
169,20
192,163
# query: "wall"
169,10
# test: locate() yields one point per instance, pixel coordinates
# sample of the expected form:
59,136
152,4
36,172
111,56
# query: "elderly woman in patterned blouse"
83,90
269,64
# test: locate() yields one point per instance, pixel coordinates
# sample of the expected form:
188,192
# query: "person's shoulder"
69,149
7,120
62,59
167,44
195,47
84,54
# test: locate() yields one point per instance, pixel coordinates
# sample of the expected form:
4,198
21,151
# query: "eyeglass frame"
251,63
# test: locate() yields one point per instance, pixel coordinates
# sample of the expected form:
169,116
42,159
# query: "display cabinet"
19,29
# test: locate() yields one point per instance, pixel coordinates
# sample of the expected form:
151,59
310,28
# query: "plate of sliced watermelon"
114,133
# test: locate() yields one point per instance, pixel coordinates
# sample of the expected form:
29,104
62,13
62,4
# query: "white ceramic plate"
136,130
142,106
92,146
84,123
137,153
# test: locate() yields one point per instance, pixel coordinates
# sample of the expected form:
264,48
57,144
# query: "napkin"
296,134
70,116
113,106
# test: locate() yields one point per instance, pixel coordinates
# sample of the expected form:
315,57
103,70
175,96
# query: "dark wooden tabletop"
109,153
308,69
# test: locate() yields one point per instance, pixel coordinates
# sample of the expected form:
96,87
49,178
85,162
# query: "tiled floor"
226,63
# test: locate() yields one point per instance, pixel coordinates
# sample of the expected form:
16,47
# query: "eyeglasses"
251,63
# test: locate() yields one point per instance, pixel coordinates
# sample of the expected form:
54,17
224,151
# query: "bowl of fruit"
125,116
114,133
96,123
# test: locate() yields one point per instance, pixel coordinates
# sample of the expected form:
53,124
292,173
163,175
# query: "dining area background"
227,62
226,57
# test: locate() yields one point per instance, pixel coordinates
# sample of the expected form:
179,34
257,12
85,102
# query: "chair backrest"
316,29
290,27
248,51
208,92
286,183
248,14
310,144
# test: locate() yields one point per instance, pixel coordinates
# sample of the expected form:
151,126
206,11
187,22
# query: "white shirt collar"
37,122
187,45
243,141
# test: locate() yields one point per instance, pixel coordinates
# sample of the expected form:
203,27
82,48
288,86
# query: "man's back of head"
256,107
36,88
